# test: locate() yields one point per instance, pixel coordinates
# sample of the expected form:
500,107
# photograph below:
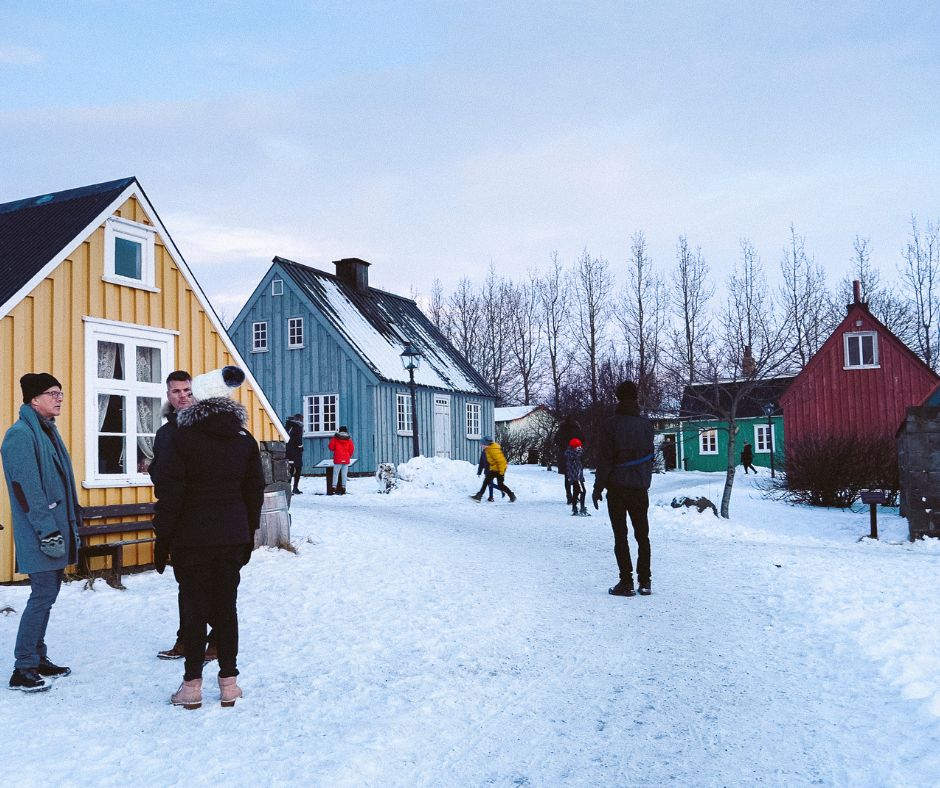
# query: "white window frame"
857,336
403,413
321,426
706,437
259,330
474,420
277,287
761,443
130,336
138,233
292,323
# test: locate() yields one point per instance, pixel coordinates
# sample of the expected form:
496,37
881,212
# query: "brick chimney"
856,296
748,367
354,272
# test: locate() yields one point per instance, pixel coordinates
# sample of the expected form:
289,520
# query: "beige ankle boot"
230,690
189,695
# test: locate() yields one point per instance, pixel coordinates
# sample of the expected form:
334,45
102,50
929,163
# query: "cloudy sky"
435,138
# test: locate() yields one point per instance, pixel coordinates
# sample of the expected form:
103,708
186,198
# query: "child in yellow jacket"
496,469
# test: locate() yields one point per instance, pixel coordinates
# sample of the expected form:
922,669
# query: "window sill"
405,433
135,283
120,481
474,437
863,366
327,434
295,347
256,350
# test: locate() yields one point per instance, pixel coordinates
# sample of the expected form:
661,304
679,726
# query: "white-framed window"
129,253
708,442
473,420
259,337
763,438
403,411
295,332
125,366
320,414
861,350
277,287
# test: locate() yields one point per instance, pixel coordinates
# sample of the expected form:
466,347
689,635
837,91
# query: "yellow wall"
45,333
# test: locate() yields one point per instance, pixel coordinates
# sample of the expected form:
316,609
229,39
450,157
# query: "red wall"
826,399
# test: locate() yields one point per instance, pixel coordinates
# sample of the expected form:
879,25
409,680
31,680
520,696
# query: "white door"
442,445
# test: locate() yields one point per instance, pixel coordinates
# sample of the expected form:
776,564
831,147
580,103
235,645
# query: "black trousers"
500,482
578,492
294,466
209,592
620,502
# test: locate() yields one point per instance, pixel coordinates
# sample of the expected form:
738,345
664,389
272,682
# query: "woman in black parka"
567,430
209,498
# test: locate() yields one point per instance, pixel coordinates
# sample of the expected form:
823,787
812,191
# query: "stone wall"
274,465
919,470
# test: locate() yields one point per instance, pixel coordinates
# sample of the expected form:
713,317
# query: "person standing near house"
496,469
210,489
295,449
574,475
625,469
46,514
568,429
747,458
342,446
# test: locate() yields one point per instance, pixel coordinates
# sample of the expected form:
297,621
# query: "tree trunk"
732,465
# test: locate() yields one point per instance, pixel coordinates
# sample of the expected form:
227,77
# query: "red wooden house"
859,382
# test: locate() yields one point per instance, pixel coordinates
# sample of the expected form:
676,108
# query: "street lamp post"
411,360
768,410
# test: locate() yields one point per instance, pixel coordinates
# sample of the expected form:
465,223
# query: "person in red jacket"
342,447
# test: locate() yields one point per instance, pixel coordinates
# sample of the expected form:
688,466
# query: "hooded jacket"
162,439
496,458
210,487
625,450
295,440
342,447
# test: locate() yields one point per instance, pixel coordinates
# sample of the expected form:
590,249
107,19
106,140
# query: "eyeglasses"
53,394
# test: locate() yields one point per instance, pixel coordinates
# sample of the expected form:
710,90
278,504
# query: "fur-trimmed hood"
219,414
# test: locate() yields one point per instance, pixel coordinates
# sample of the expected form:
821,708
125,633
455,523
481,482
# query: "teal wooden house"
330,347
700,435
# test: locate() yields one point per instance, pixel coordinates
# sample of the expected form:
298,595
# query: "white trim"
119,324
773,438
256,347
142,234
479,408
701,443
277,293
406,398
291,345
845,350
336,419
118,280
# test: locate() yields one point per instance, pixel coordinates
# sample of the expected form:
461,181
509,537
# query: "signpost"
873,498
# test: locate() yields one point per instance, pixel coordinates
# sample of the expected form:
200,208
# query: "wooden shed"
859,383
94,291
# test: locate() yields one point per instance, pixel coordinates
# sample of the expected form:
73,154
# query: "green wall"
687,434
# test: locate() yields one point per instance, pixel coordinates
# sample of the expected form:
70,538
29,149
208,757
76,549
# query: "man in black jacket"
295,449
210,490
625,470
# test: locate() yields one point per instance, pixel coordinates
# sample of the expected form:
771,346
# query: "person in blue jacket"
46,514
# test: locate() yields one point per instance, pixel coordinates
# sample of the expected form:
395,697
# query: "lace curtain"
107,365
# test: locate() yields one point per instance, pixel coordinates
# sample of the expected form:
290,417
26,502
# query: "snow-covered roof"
513,412
378,325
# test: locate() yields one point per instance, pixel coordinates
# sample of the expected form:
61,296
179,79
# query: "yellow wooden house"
94,291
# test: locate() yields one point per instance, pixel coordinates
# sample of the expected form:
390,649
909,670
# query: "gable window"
129,253
403,411
124,370
708,442
861,350
473,420
277,287
763,438
259,337
295,332
320,414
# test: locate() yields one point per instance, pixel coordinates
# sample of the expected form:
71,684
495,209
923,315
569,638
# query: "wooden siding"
688,437
45,333
827,399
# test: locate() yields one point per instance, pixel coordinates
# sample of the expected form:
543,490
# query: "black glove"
53,545
596,497
161,555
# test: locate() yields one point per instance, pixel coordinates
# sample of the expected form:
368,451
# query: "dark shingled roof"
710,400
33,231
393,317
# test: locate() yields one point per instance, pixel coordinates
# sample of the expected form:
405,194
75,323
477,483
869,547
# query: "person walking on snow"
574,476
625,469
496,462
295,449
342,446
747,458
45,511
482,465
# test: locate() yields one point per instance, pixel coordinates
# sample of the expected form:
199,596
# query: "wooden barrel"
275,521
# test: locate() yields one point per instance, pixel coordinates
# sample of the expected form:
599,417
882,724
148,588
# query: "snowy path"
423,640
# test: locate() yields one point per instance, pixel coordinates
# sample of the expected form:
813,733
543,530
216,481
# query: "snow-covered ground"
423,639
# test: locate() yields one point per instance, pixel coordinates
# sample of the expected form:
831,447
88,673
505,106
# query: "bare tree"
592,283
691,292
437,309
555,300
465,325
526,336
921,272
494,335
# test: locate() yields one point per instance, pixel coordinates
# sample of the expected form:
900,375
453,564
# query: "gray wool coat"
42,491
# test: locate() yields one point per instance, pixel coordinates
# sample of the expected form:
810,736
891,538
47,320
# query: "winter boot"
584,512
230,690
623,588
512,497
297,491
49,669
574,511
28,680
189,695
645,589
173,653
477,497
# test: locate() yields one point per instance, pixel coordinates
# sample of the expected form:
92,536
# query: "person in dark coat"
574,475
483,466
295,449
210,490
747,458
625,469
46,514
568,429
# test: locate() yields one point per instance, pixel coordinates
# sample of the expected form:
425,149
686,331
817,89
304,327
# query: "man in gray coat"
45,508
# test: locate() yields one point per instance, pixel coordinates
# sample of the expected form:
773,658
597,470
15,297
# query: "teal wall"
687,435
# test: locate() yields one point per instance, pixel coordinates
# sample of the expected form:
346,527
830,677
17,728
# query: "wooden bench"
92,526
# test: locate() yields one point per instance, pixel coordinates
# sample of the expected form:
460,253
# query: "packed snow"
419,638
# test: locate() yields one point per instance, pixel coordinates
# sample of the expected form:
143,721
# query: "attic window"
861,350
277,287
129,253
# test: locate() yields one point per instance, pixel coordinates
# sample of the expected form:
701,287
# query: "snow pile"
439,472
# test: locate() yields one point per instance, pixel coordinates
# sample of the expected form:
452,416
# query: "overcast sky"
435,138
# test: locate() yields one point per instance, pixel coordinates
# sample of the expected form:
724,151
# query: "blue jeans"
30,645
